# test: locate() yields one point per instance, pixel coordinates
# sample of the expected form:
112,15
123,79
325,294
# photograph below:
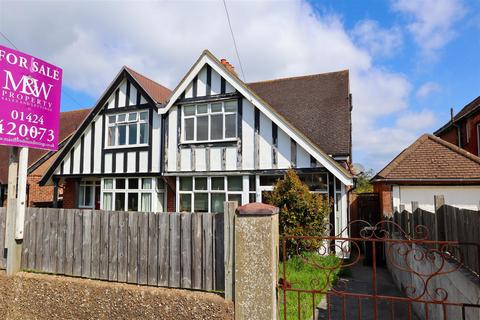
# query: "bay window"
210,121
132,194
127,129
207,194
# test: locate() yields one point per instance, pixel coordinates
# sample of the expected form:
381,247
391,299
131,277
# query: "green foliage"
301,212
363,182
308,271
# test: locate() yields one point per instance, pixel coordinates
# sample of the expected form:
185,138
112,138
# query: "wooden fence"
446,224
180,250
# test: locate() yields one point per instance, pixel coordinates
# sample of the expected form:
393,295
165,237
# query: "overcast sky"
409,60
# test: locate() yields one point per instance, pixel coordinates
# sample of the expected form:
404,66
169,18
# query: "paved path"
361,282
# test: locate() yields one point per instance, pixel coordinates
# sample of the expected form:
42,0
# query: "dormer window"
127,129
210,122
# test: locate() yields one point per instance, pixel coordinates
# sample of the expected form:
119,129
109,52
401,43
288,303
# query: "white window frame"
209,114
209,191
127,124
154,190
84,185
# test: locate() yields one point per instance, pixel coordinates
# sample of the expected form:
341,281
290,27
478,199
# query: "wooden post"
21,193
14,249
412,219
55,193
439,202
228,233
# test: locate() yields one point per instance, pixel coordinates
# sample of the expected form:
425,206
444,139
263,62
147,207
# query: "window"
207,194
316,182
132,194
86,194
127,129
210,122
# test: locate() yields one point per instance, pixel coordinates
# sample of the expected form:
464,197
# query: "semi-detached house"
213,138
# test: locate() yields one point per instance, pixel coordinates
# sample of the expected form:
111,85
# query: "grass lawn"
301,273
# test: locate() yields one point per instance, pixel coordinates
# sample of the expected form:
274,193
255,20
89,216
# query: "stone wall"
460,285
38,296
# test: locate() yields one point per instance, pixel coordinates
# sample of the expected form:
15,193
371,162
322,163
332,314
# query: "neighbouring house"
430,166
463,130
38,161
213,138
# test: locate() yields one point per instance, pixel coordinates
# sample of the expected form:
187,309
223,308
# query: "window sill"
127,146
231,141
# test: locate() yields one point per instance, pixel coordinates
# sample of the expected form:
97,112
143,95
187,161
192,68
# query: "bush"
301,212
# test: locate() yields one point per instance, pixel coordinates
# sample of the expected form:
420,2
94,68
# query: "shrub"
301,212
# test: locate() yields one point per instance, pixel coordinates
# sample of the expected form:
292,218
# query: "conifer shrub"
302,213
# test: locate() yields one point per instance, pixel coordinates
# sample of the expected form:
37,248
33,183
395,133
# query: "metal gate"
330,295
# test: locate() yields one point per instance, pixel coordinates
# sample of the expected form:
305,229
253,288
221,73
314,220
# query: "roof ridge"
299,77
142,75
455,148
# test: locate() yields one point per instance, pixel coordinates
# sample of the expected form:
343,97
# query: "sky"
410,61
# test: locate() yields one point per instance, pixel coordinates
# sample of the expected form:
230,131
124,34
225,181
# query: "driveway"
360,281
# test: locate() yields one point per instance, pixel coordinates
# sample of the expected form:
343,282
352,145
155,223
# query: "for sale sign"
29,101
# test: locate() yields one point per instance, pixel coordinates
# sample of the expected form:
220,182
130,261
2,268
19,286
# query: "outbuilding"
430,166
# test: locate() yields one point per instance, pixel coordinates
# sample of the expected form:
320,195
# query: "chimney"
451,114
227,65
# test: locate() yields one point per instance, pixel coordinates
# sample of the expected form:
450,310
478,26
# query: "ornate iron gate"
418,264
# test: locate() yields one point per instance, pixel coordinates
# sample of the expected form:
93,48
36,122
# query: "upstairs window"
210,122
127,129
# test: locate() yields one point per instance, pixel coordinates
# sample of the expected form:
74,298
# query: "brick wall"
69,194
384,191
36,193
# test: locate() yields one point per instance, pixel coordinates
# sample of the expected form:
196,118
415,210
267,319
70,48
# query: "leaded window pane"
217,200
218,183
189,110
201,202
216,127
185,202
186,183
235,197
111,136
189,129
202,109
122,135
147,183
132,201
216,107
231,106
144,133
202,128
235,183
230,126
120,183
200,183
132,134
120,201
144,115
133,183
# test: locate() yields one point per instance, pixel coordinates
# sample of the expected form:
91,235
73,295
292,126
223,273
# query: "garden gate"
426,262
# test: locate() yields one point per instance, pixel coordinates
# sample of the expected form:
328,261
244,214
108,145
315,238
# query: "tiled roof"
317,105
468,109
156,91
69,122
432,159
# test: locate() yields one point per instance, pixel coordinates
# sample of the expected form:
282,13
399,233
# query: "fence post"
256,261
439,202
412,220
228,233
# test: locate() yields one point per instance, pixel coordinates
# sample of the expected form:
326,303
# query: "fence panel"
184,250
447,224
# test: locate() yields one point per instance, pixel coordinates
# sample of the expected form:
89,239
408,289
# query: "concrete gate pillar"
256,261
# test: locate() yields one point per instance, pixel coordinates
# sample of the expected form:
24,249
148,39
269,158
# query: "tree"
363,182
301,211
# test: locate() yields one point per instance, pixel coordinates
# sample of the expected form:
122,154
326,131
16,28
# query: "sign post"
29,118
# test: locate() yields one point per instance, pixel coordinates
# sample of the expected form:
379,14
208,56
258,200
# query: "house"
463,130
38,161
430,166
213,138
